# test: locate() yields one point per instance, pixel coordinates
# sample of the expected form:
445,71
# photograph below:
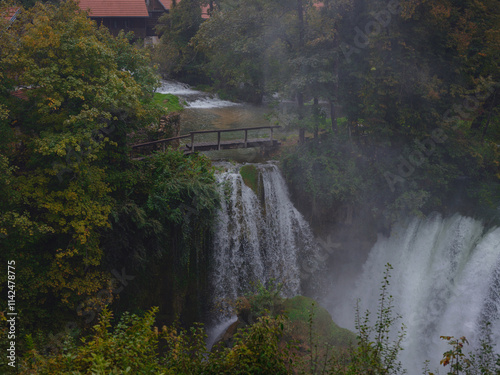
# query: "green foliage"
73,204
257,350
455,357
236,40
328,174
175,54
395,72
169,101
182,183
483,361
183,197
265,299
303,311
185,350
376,351
394,180
161,231
131,348
272,344
78,92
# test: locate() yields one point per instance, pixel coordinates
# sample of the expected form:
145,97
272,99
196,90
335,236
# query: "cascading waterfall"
445,281
258,238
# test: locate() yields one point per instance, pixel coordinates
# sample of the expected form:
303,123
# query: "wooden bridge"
193,146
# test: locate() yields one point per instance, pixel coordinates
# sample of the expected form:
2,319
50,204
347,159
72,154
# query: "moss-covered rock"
326,335
299,309
250,176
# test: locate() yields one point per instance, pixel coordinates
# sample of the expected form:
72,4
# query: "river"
205,111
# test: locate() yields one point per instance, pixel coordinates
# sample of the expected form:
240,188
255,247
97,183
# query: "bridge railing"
164,142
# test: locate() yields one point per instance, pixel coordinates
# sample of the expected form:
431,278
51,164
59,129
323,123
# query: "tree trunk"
485,129
333,110
300,95
491,102
300,15
300,104
316,118
333,115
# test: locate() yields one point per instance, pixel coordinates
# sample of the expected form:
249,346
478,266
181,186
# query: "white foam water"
210,102
193,98
257,238
445,282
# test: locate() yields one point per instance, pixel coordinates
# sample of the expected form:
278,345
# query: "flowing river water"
207,112
446,276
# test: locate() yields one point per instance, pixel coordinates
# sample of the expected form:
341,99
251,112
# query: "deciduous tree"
72,92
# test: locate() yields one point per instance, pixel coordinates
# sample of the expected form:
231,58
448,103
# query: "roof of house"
167,4
205,11
20,94
11,14
115,8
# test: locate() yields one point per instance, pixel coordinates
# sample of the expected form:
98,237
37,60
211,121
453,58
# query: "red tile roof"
20,94
167,4
205,10
115,8
10,13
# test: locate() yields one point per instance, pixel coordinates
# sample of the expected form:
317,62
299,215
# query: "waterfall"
258,237
445,281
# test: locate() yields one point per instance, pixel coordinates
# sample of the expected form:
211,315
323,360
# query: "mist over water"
445,281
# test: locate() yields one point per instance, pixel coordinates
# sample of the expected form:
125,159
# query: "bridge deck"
230,145
162,144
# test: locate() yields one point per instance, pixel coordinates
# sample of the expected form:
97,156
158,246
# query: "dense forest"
411,87
396,111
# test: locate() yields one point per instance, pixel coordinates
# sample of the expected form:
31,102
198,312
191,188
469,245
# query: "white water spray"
258,238
445,281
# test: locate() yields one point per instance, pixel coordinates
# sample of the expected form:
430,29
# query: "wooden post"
163,146
246,137
218,140
192,142
272,135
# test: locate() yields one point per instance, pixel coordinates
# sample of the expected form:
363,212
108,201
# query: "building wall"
115,24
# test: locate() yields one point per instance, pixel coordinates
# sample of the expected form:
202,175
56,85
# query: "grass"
169,101
298,309
250,176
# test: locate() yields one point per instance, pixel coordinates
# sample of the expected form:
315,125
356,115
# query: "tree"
268,47
175,54
233,42
73,93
